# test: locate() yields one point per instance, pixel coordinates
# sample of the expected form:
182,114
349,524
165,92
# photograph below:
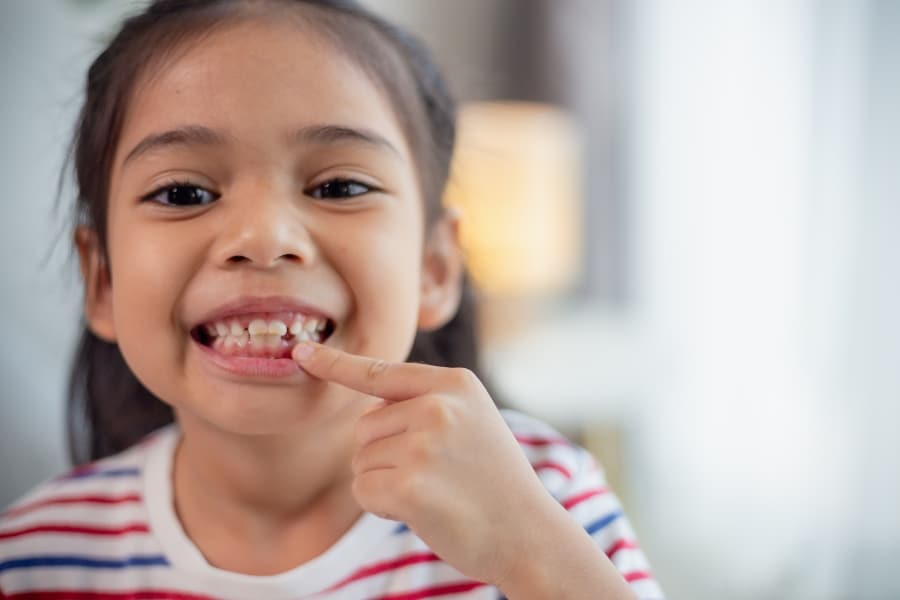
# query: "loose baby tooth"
311,325
221,329
303,336
258,327
277,328
236,329
273,341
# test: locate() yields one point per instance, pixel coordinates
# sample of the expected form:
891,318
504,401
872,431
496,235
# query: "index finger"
391,381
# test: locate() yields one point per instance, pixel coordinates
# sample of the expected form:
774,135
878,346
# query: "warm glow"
516,180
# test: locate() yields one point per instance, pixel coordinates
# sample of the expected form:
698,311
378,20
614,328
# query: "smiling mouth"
262,335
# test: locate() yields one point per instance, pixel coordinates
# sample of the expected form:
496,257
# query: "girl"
263,247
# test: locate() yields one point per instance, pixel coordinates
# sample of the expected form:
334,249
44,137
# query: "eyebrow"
333,134
199,135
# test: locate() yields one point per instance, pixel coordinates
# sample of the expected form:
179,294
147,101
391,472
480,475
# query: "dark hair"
108,408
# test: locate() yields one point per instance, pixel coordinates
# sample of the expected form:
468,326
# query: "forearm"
560,560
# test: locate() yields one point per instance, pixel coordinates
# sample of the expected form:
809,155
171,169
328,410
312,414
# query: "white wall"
868,380
45,48
765,215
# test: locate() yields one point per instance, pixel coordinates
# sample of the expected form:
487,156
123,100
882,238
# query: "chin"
261,412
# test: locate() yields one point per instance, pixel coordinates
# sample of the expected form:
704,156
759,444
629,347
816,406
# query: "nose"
264,229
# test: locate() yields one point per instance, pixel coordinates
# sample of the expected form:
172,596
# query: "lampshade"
516,180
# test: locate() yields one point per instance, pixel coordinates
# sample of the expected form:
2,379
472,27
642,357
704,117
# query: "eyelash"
175,185
345,183
316,192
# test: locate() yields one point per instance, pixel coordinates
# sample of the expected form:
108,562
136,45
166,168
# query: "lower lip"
251,367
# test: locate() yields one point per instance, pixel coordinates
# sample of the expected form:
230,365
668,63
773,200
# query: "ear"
97,286
442,271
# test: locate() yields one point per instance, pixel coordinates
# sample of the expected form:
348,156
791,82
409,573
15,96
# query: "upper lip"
262,304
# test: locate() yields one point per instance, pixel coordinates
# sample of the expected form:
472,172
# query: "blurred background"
691,267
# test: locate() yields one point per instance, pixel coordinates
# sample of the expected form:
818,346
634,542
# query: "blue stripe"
602,522
403,528
123,472
83,561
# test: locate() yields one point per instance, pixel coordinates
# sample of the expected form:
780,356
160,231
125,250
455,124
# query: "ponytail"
108,409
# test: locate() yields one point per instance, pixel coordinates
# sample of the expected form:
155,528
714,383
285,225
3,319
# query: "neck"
272,491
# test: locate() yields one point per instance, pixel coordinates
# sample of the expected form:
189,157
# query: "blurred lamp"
516,181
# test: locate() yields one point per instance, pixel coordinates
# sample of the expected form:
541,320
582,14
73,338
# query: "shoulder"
578,482
569,472
118,471
559,462
93,509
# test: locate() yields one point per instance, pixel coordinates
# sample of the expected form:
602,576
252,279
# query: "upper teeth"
301,327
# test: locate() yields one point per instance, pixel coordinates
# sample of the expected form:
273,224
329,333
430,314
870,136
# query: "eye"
339,188
181,194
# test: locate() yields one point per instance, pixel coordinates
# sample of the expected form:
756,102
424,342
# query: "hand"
438,456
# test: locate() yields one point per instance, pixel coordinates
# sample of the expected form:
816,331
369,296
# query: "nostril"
241,259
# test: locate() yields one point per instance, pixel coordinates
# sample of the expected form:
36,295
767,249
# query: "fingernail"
303,351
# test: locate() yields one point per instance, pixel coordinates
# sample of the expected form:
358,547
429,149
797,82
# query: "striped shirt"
108,531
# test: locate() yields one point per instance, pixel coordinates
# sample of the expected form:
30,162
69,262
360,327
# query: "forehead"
255,81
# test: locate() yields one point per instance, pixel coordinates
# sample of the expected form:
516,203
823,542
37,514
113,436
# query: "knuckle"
464,378
437,412
377,368
359,490
362,432
422,451
368,490
411,490
357,463
333,363
363,491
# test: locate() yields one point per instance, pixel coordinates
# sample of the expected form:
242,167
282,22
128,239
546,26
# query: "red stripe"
84,595
552,465
77,529
16,511
539,441
576,500
637,576
438,590
621,545
388,565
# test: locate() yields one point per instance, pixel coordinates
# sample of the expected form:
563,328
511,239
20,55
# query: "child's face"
264,117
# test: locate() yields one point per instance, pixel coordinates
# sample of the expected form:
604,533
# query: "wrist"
558,559
530,569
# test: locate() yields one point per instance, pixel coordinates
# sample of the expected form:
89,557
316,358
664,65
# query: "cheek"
384,276
150,266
